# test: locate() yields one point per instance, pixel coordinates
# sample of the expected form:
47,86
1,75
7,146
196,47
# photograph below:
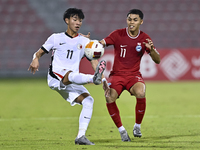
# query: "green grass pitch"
32,116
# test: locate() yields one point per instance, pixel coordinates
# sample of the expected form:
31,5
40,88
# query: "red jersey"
128,50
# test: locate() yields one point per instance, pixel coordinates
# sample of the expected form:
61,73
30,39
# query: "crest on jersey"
138,47
79,46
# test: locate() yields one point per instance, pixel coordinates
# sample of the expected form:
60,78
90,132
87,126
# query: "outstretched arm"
103,43
87,36
35,62
153,52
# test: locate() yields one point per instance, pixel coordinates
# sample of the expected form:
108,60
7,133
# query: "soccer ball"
94,50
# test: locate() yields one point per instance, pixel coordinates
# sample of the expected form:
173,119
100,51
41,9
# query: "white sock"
80,78
121,128
81,132
85,116
137,125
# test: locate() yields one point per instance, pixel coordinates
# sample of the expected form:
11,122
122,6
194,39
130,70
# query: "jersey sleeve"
111,38
146,49
49,44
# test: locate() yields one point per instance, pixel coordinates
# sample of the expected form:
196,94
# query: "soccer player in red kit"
130,44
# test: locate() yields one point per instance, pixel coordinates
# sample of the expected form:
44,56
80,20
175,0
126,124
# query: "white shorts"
68,92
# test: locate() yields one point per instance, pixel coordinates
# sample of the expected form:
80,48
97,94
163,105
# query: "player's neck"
133,33
71,33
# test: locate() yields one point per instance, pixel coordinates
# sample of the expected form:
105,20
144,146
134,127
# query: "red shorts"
124,82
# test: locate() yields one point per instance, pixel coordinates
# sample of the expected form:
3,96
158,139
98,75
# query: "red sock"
114,113
140,109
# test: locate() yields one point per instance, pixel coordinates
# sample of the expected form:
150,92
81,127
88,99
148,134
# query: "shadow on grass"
165,137
152,142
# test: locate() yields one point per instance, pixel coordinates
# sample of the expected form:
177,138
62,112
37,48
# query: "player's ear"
67,21
141,22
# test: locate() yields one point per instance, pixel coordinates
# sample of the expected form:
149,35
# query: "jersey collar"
70,35
132,36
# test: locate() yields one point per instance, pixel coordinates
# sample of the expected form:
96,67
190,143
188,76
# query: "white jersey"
67,51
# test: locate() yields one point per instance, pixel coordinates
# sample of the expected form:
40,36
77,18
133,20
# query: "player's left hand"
149,44
87,36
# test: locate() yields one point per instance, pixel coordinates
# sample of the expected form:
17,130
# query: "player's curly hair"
137,12
73,11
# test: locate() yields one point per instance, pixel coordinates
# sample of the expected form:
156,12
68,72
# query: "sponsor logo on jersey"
138,47
123,45
79,46
62,43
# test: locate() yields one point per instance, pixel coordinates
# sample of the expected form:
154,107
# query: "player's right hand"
34,66
87,36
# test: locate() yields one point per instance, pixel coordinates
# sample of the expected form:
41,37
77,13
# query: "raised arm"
103,43
35,62
153,52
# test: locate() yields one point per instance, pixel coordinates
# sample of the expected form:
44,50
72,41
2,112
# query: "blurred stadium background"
26,24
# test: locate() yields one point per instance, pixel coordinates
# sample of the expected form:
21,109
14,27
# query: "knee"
110,100
140,94
111,96
138,90
88,102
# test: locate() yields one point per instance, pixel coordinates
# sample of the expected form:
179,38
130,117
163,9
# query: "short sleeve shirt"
128,50
67,52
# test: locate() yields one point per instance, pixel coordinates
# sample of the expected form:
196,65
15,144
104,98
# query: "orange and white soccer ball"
94,50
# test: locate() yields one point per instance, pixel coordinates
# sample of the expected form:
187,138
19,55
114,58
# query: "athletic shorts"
69,92
124,82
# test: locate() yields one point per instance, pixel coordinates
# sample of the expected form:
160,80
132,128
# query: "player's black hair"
72,12
137,12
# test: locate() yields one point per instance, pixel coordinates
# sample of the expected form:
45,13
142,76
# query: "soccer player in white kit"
63,75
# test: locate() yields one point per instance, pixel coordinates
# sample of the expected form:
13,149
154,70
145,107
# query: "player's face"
134,22
74,23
